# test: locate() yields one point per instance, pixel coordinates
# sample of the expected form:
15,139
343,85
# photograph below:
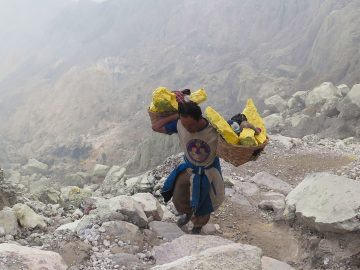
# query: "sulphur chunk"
198,96
222,127
163,100
247,137
255,119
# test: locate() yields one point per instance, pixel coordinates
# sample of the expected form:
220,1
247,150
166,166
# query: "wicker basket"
238,154
155,116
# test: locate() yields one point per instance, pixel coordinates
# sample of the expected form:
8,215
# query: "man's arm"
159,126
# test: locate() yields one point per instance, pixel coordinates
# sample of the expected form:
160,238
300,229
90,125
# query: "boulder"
28,218
344,89
186,245
35,167
122,230
100,170
326,202
269,181
168,215
115,178
49,195
143,183
275,104
74,195
76,179
129,261
273,120
19,257
322,94
230,257
275,202
168,231
86,222
296,119
75,253
272,264
349,107
8,221
247,189
150,204
124,205
69,226
297,101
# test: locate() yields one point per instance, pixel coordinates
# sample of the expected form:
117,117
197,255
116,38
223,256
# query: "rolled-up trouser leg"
181,199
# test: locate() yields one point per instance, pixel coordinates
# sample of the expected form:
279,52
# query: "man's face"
190,124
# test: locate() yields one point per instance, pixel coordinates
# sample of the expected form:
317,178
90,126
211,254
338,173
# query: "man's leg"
181,198
199,222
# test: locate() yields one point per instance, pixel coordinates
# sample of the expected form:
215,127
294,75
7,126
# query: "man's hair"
190,109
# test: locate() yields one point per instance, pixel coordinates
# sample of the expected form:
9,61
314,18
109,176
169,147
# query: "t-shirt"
199,147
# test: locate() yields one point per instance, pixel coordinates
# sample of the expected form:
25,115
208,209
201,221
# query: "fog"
79,74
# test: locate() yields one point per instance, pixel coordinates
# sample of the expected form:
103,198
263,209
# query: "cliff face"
92,78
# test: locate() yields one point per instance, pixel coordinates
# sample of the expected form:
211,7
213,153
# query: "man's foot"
184,219
196,230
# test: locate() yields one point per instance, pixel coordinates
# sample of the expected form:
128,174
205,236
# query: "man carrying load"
196,186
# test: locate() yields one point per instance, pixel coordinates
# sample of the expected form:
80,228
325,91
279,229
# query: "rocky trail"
277,215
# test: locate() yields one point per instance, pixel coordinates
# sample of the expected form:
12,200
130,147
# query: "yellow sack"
247,137
255,119
163,100
222,127
198,96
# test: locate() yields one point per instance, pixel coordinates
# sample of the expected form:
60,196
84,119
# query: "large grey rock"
168,231
296,119
114,180
9,221
231,257
326,202
344,89
273,120
19,257
100,170
272,264
269,181
322,94
69,226
76,179
28,218
74,195
35,166
86,222
275,104
349,107
143,183
122,230
129,261
150,204
246,188
125,205
186,245
297,101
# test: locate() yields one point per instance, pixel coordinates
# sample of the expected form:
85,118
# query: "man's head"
190,116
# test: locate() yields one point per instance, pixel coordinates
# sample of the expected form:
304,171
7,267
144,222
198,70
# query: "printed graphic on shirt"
198,150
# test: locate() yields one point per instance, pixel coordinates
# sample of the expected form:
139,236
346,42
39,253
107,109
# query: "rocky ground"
118,221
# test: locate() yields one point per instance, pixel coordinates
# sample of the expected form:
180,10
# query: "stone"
186,245
326,202
74,195
168,215
129,261
349,107
86,222
247,189
78,179
284,141
75,253
49,195
273,120
35,167
8,221
114,178
69,226
100,170
122,230
240,199
297,101
272,264
231,257
150,204
126,206
168,231
19,257
296,119
322,94
269,181
210,229
275,104
275,202
28,218
344,89
229,183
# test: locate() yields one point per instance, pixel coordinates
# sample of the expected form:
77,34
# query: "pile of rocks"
326,110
